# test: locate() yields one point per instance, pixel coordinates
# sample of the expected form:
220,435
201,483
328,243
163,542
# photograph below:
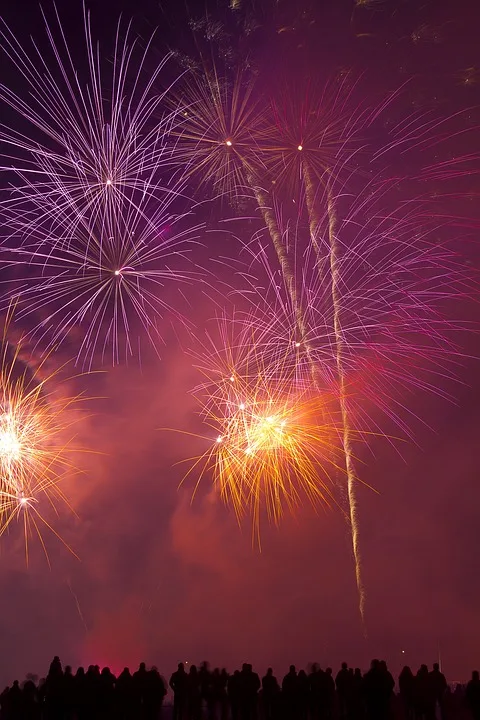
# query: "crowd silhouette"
202,693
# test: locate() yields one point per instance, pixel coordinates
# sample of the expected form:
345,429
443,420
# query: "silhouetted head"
292,669
358,672
329,671
68,670
15,684
344,666
270,672
436,667
475,676
245,667
193,669
302,674
374,664
180,667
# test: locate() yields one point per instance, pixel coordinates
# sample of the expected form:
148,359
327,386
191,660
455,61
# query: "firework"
92,236
88,141
274,437
95,284
217,139
36,448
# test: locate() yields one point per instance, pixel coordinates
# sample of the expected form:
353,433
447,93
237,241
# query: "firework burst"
88,141
36,446
274,437
92,234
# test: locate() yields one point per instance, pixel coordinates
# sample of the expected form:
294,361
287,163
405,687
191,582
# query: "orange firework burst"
35,447
275,439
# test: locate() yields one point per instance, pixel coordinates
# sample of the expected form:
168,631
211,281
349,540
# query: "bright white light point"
297,344
117,272
283,423
232,379
228,143
300,147
219,439
270,419
242,406
23,501
109,182
248,451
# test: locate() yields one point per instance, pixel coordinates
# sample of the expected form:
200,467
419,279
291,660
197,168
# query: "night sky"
163,579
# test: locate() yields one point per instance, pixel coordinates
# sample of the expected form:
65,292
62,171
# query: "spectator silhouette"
179,685
424,703
290,693
406,684
270,693
249,685
472,695
378,687
438,687
194,694
124,695
234,691
31,708
343,683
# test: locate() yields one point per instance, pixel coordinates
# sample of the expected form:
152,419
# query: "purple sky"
162,579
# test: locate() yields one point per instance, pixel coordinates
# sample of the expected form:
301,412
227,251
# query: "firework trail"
346,426
36,449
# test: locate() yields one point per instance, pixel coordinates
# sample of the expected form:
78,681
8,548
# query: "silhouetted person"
179,685
356,708
406,684
219,692
79,699
438,687
290,693
329,694
31,708
302,695
54,690
472,695
224,709
234,691
154,693
249,687
15,702
68,693
424,703
343,683
194,694
270,692
124,695
378,687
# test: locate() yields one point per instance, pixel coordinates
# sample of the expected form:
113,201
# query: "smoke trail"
287,273
333,256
